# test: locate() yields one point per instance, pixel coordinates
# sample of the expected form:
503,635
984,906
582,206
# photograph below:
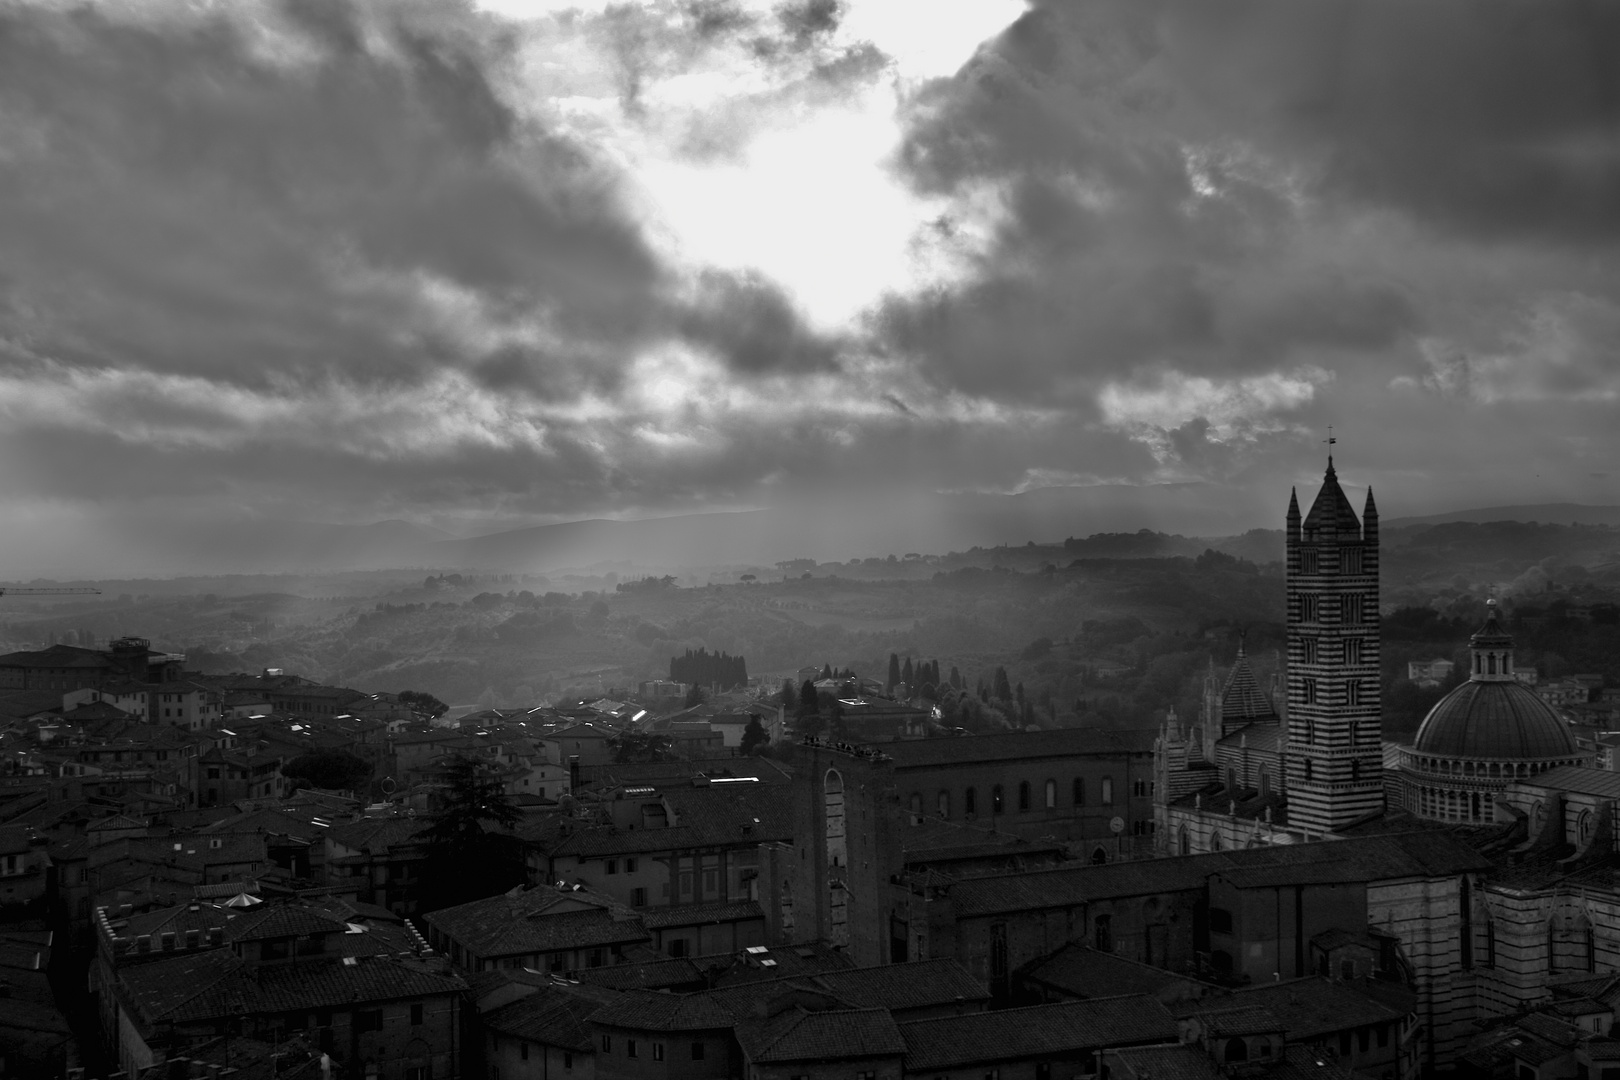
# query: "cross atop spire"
1330,440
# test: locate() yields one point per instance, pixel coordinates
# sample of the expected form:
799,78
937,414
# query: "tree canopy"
754,737
704,668
423,705
470,852
332,770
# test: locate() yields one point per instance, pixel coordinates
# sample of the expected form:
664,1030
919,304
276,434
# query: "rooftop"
1035,1031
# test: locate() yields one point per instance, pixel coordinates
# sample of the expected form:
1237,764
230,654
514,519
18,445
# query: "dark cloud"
1487,120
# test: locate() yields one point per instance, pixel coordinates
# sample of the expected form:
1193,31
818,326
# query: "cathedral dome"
1501,720
1493,715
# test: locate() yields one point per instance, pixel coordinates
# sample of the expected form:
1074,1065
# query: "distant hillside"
1544,513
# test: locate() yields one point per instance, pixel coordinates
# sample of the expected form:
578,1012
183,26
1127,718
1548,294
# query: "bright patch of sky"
805,192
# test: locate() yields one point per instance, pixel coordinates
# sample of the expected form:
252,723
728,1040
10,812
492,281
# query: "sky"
480,265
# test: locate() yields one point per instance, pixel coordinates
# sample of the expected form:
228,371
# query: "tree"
1003,688
894,674
694,696
332,770
790,694
425,706
754,737
826,671
635,745
808,702
907,675
471,853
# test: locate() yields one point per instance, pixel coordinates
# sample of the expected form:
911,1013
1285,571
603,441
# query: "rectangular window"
613,866
593,958
1309,609
629,866
676,948
1352,650
568,1059
1139,788
1079,791
416,1014
638,897
607,1044
658,1051
697,1051
630,1048
866,1076
1351,609
1108,791
1309,652
523,1051
1220,921
1352,693
368,1020
1349,560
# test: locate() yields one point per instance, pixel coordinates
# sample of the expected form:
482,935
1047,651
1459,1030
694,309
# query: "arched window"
997,802
970,802
1023,796
945,805
1051,794
1105,933
1079,791
1490,942
1108,791
1237,1050
1490,664
1185,841
1215,840
1099,855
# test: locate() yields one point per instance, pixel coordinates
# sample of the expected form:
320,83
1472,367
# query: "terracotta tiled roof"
218,983
1084,972
1065,742
649,975
553,1015
837,1034
662,918
1372,858
1313,1007
535,920
1036,1031
1164,1063
1224,1020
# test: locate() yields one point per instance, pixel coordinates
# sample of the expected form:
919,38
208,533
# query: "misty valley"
1109,630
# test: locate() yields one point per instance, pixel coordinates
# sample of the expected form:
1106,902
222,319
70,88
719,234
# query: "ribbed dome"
1502,720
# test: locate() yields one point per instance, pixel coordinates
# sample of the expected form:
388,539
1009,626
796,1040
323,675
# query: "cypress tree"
894,673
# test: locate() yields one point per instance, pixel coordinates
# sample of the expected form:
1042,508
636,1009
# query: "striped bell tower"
1335,759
